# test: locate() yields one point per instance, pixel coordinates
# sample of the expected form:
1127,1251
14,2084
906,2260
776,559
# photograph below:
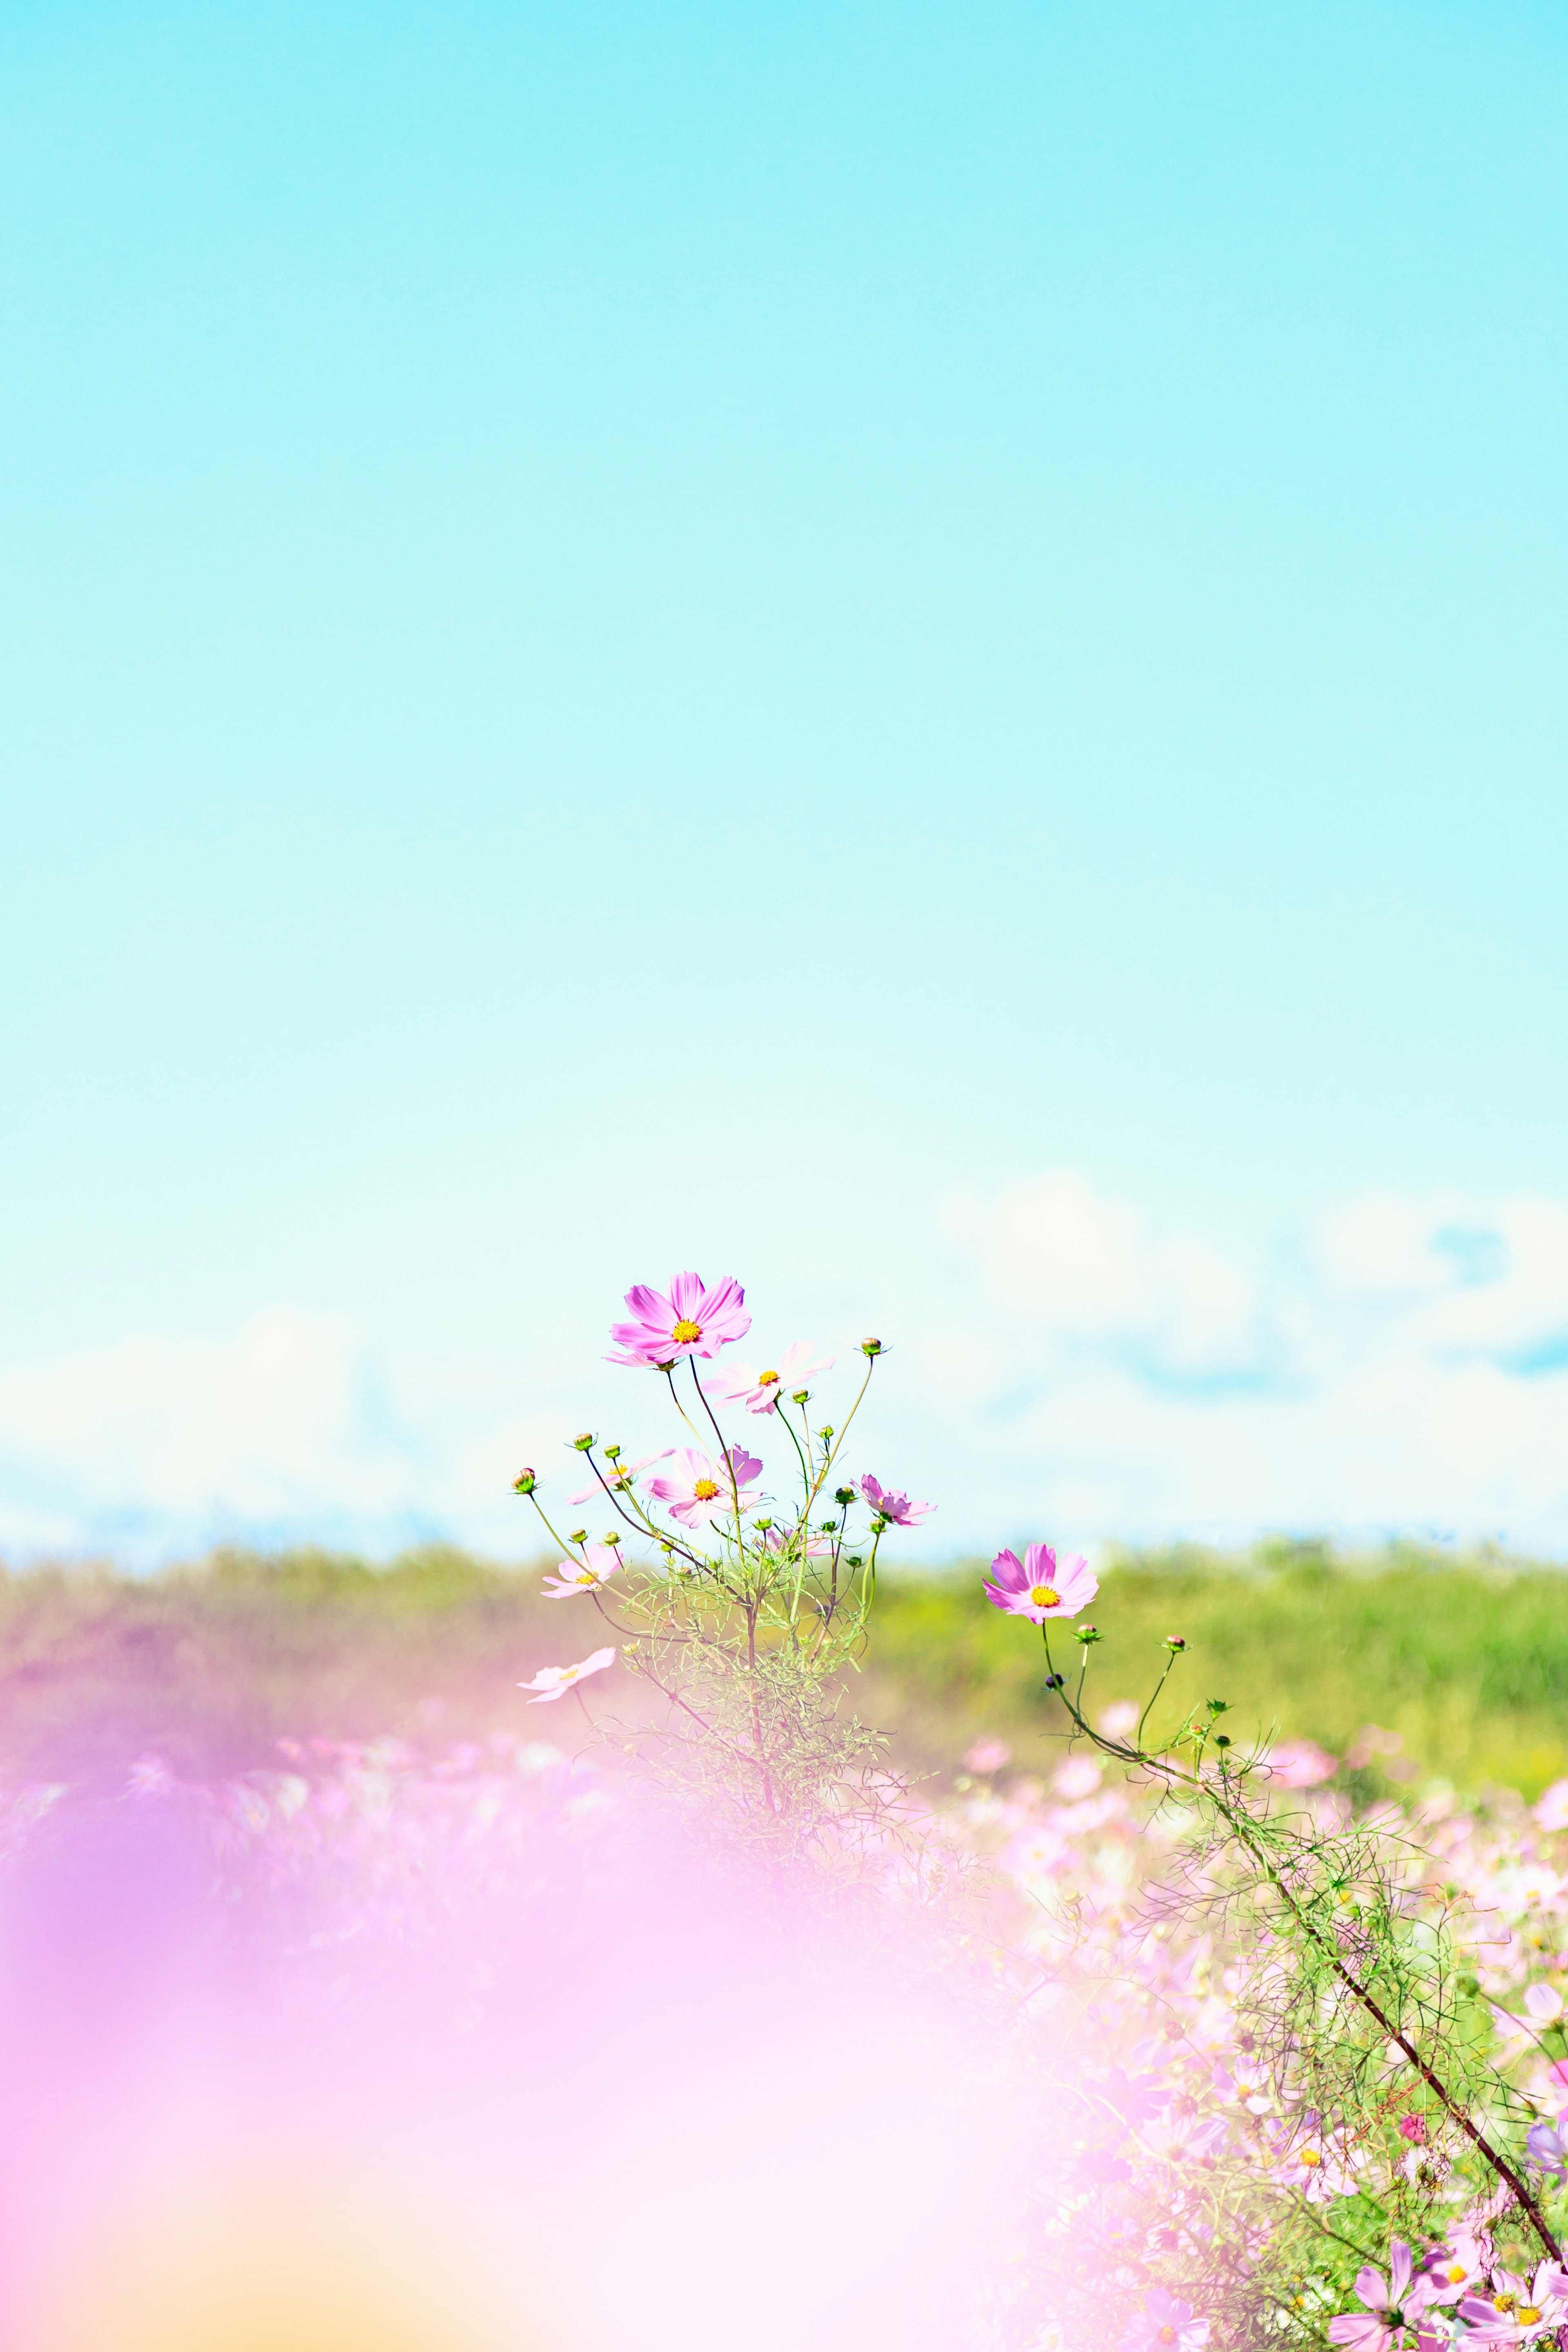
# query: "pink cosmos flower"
1455,2266
1407,2293
1301,1764
1165,2325
760,1392
1551,1807
1034,1587
619,1476
555,1682
700,1493
1545,2146
987,1756
793,1540
692,1321
596,1567
1246,2083
897,1509
1518,2310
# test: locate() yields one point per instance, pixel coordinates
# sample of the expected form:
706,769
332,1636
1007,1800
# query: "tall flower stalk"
740,1592
1388,2106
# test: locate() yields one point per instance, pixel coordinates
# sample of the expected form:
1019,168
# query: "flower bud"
800,1396
852,1560
761,1525
1055,1681
584,1442
578,1534
1221,1740
1087,1633
843,1495
612,1452
613,1538
524,1483
826,1527
1175,1642
870,1346
825,1432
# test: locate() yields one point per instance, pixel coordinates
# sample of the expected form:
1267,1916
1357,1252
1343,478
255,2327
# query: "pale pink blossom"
759,1389
1300,1764
1076,1777
700,1492
1320,2167
1166,2324
1454,2267
1551,1807
1517,2310
694,1321
897,1509
1246,2083
987,1756
795,1540
1405,2295
555,1682
597,1565
1036,1587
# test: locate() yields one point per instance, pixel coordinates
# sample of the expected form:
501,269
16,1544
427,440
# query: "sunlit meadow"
708,1932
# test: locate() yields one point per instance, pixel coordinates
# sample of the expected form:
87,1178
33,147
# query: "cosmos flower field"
541,2017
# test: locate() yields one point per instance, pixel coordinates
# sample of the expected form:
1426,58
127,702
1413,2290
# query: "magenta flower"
1545,2146
596,1568
897,1509
1165,2325
700,1492
1408,2292
1517,2309
692,1321
555,1682
1036,1587
760,1392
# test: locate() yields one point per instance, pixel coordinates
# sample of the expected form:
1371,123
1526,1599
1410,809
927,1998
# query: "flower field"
975,1972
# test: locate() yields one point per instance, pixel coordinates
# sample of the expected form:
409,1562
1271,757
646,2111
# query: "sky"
913,652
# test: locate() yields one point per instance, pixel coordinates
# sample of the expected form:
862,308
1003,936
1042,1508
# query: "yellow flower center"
1166,2335
705,1490
1502,2302
1310,2156
1526,2314
686,1331
767,1380
1045,1596
1456,2275
587,1576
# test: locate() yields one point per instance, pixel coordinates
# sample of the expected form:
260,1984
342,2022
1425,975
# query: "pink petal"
688,1298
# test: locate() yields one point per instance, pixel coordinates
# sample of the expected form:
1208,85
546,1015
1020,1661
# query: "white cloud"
1414,1377
1078,1371
1060,1259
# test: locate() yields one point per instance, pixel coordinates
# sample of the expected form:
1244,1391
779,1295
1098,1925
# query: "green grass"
209,1665
1466,1660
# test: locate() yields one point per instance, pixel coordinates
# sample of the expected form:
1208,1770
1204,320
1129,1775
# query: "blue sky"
911,651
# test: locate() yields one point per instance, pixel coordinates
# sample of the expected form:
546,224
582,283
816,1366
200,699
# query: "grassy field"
1466,1660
